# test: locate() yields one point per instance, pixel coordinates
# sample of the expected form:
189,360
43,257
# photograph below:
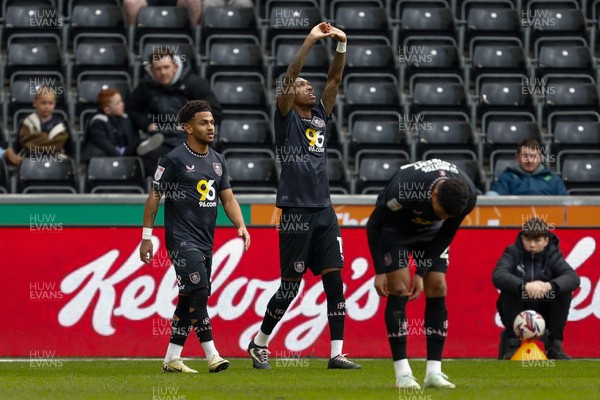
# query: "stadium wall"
72,266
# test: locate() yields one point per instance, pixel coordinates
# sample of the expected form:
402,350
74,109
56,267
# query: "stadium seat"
251,171
96,17
361,17
499,161
228,20
376,130
437,92
288,18
574,130
47,173
100,53
233,53
564,56
237,90
504,92
369,92
469,166
428,55
245,131
503,131
374,169
34,52
164,20
337,175
31,16
425,18
487,19
496,56
370,54
115,175
556,19
581,172
449,132
569,93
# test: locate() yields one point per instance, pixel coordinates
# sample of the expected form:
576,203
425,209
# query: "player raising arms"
418,214
300,122
193,178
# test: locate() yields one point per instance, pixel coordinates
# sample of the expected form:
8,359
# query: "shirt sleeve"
165,175
224,184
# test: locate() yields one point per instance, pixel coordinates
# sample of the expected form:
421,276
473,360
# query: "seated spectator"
43,132
532,274
8,153
154,103
132,7
110,133
531,178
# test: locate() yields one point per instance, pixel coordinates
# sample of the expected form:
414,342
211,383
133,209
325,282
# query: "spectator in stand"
110,133
132,7
43,132
154,103
530,178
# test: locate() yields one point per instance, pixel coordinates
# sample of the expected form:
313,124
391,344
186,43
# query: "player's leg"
293,252
556,312
398,276
328,256
180,328
436,320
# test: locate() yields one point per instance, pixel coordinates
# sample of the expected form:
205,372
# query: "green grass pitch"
296,379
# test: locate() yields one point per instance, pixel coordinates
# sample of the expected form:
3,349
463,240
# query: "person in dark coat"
154,103
110,133
532,274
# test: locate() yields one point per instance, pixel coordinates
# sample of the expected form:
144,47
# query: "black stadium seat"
115,175
47,173
251,171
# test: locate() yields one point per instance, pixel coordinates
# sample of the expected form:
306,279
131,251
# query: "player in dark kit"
309,235
193,178
417,216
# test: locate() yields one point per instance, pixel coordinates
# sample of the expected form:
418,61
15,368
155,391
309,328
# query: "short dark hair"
535,228
531,143
453,196
189,109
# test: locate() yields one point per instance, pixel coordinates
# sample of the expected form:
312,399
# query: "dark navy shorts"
192,269
309,238
402,256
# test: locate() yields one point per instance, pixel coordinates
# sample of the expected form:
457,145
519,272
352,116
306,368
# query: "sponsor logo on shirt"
207,192
315,140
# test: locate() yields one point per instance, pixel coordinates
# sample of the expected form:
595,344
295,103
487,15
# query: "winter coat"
105,133
150,99
515,181
518,266
38,137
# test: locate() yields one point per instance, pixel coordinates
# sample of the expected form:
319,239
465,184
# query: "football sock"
261,339
173,352
336,348
436,326
209,349
181,324
433,367
278,305
336,304
199,314
395,322
401,367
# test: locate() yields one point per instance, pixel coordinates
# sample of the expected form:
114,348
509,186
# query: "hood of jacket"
541,170
181,73
535,266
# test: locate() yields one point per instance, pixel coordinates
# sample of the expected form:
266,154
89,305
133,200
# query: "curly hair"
189,109
453,196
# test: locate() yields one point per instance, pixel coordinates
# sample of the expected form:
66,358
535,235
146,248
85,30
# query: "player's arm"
285,101
150,211
234,213
336,69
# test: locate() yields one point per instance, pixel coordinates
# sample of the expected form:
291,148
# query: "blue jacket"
515,181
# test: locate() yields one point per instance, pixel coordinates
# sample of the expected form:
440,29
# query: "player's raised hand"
243,233
336,33
146,251
416,287
320,31
381,285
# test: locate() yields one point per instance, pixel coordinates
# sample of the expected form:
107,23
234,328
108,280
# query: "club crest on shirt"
299,266
159,172
318,122
387,259
217,168
195,278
